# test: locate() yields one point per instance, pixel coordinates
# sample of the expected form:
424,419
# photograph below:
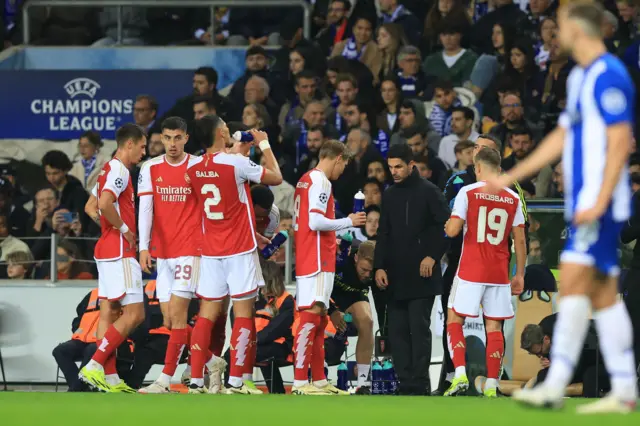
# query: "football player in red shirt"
119,275
482,278
229,265
314,226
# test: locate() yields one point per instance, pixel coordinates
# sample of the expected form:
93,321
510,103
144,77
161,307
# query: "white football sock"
491,384
236,382
460,371
320,383
300,383
164,380
568,338
93,365
197,382
615,333
112,379
363,374
248,377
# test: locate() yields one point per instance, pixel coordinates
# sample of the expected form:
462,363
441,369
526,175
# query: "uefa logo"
81,86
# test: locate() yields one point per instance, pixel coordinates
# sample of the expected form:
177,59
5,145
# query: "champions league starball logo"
84,109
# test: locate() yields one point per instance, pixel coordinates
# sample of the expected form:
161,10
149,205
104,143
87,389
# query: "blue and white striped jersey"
598,96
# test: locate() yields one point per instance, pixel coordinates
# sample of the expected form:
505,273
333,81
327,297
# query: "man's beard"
534,260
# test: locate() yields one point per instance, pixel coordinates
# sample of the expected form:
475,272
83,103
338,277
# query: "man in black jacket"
409,247
631,284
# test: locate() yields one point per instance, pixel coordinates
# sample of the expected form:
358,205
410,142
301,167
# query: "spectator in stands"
387,120
257,91
282,194
315,139
628,29
390,40
548,28
439,11
155,146
347,89
8,243
417,140
522,144
87,168
67,225
379,171
407,263
205,83
412,114
445,99
558,181
357,117
609,28
505,13
372,190
464,155
45,203
454,63
306,91
554,85
461,130
73,196
538,11
145,111
69,262
16,213
256,116
512,111
393,12
134,23
203,105
421,163
337,28
522,71
361,46
257,26
411,78
255,62
19,265
221,34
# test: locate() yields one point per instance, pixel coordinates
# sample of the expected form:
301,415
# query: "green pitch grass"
92,409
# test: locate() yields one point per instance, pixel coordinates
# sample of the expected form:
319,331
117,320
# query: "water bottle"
343,252
358,202
343,376
390,376
275,244
376,379
244,137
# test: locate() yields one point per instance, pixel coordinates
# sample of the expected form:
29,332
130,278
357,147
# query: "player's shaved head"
489,157
588,15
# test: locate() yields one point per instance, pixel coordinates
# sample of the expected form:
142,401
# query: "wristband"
264,145
124,228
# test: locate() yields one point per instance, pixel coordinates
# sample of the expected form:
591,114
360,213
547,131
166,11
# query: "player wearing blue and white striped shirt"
593,138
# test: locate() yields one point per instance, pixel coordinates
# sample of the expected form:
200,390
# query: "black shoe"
441,390
363,390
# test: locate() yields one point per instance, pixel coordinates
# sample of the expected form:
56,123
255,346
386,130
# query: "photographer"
409,247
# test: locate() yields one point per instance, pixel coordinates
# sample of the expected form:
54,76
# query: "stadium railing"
210,4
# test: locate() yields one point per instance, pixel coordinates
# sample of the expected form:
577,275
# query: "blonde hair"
23,258
366,251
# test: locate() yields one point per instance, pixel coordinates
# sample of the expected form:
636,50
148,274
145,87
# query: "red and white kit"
169,216
230,263
119,275
483,273
315,250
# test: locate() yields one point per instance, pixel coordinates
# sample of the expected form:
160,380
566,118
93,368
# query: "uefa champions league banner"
60,105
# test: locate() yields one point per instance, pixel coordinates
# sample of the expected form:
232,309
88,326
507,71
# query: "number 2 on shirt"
496,220
212,201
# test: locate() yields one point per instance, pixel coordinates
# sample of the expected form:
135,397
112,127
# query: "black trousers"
447,283
410,338
145,356
632,301
67,354
277,351
594,379
380,302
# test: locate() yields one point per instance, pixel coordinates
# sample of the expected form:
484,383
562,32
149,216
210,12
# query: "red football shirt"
221,184
488,222
315,250
177,224
115,178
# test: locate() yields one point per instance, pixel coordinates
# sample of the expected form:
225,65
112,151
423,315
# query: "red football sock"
110,365
178,340
108,345
240,342
253,347
317,354
303,345
457,344
218,335
200,347
495,351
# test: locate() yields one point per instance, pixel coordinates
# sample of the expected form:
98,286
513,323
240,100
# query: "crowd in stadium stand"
432,74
